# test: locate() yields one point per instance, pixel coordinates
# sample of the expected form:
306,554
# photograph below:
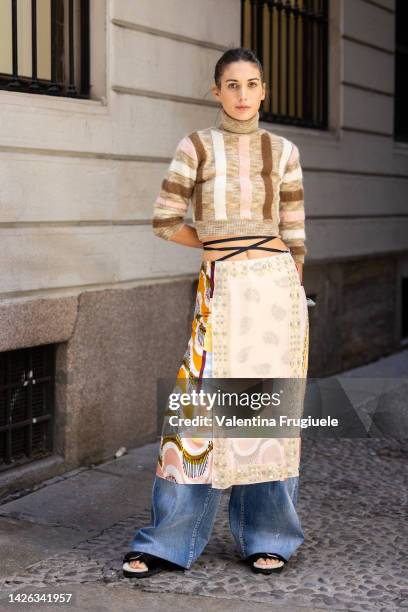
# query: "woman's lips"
243,107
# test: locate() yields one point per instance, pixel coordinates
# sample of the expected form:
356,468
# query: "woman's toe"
138,565
268,562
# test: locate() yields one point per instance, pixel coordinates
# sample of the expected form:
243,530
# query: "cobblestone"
353,508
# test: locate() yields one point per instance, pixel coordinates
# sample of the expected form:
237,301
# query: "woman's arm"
292,209
171,205
187,236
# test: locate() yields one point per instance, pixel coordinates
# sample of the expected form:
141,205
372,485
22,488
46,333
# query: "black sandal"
269,569
154,565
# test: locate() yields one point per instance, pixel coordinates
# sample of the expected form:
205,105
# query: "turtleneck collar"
240,126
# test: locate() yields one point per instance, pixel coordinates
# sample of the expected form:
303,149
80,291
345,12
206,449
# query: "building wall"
80,264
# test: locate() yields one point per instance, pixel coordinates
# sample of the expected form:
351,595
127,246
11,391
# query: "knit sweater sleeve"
171,205
291,207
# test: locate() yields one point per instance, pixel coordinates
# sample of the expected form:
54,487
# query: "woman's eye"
232,85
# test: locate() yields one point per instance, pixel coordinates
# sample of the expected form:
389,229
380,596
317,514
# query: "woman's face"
241,91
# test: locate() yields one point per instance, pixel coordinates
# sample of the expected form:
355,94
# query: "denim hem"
274,552
157,553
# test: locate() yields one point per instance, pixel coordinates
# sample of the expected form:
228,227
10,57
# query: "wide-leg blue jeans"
262,518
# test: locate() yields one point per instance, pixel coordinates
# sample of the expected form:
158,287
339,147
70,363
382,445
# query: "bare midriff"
210,255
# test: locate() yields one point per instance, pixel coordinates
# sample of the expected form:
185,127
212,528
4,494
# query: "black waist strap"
256,246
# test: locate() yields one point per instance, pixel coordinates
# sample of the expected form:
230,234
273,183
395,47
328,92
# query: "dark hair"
235,55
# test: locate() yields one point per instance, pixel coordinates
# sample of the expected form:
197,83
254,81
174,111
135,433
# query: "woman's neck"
240,126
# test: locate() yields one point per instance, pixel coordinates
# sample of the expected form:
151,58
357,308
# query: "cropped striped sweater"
240,180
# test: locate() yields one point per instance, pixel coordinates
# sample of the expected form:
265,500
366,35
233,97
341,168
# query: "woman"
250,320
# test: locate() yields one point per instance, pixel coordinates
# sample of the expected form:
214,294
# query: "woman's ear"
215,92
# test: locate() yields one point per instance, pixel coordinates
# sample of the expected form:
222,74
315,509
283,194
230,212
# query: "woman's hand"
299,267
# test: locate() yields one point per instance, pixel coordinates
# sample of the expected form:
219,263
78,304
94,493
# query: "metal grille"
291,40
27,379
45,47
401,71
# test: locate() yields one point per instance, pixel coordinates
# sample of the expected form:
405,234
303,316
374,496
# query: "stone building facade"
80,266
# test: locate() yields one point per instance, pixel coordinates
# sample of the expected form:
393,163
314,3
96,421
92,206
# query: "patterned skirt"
250,321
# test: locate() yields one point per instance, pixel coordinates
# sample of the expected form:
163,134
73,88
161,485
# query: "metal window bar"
400,72
291,40
66,61
27,378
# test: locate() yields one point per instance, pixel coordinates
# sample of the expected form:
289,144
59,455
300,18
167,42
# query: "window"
27,379
44,47
401,69
291,40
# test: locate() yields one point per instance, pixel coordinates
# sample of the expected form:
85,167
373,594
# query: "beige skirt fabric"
250,322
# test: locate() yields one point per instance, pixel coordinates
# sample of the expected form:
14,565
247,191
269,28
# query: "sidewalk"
69,535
